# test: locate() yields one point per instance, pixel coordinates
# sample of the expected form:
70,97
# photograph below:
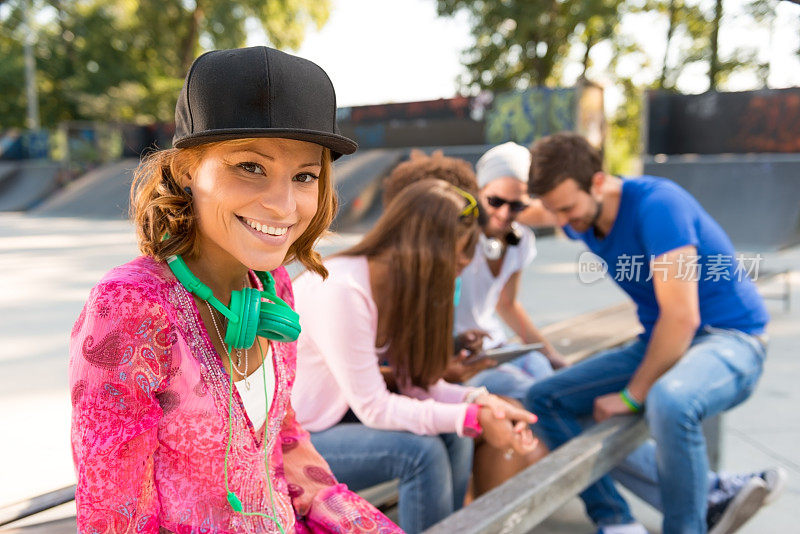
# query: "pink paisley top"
150,424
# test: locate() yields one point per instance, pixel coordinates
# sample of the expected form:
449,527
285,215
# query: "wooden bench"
784,294
530,497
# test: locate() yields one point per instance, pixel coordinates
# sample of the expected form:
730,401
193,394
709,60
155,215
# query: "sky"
378,51
400,50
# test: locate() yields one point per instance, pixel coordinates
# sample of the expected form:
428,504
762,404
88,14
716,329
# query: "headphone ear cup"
246,305
278,321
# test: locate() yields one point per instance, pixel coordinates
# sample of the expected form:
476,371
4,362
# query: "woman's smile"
272,233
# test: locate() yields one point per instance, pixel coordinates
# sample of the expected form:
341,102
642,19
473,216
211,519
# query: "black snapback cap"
257,92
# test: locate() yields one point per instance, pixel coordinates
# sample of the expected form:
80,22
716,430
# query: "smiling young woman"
182,360
233,172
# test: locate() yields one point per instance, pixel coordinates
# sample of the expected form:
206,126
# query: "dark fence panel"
459,107
715,123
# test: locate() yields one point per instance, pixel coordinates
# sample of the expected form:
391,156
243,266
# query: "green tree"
518,43
99,60
692,38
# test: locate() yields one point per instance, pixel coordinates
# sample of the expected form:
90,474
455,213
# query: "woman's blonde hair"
417,235
159,206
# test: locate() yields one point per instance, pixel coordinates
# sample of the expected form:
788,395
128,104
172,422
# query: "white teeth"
264,229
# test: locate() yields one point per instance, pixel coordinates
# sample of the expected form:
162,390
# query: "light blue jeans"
719,371
433,470
514,379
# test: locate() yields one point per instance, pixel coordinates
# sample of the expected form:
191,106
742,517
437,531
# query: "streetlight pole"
30,72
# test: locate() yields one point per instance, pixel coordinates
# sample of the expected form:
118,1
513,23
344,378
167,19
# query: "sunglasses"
471,209
515,206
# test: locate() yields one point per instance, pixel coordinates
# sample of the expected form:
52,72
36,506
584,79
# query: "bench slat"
34,505
527,499
585,334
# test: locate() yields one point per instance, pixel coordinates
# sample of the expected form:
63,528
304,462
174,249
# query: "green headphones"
251,313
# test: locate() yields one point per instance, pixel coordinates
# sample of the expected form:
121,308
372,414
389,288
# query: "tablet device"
504,354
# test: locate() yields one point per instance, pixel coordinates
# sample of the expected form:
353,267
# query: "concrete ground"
48,266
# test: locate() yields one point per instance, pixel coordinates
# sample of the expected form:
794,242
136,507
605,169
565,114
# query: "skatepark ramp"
104,192
357,180
754,197
25,183
360,212
99,194
738,154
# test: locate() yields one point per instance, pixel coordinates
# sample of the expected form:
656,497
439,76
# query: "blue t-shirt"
656,216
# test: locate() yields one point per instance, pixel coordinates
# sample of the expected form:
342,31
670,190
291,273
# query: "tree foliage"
520,43
99,60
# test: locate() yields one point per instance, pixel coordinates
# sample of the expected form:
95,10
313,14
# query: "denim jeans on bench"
433,470
719,371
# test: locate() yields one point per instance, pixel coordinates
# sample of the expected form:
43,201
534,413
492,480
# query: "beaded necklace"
237,365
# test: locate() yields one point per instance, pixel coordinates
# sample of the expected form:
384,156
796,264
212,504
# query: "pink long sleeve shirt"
150,424
338,365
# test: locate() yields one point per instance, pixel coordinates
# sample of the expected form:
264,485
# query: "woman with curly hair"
183,359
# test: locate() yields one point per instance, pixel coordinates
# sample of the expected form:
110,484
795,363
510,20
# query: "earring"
188,190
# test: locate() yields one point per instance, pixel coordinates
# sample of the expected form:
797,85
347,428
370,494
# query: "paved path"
48,266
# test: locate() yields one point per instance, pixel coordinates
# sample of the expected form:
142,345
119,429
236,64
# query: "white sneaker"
775,479
627,528
730,514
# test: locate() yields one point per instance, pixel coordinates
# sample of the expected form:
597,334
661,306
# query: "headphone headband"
248,316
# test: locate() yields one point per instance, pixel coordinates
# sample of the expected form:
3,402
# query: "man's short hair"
420,166
558,157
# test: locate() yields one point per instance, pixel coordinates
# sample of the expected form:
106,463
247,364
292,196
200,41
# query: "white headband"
506,160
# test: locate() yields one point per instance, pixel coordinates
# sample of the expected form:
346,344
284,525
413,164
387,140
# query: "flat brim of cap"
338,144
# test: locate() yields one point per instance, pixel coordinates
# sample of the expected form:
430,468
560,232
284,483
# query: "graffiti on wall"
523,116
716,122
771,123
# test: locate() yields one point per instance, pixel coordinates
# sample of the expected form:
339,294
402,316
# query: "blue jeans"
719,371
433,470
514,379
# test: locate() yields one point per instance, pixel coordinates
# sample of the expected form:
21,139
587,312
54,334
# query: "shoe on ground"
775,480
729,514
626,528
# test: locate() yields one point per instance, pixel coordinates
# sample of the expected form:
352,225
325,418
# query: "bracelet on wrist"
634,405
473,395
472,424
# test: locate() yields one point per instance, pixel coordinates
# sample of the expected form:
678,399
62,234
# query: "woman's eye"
306,177
249,166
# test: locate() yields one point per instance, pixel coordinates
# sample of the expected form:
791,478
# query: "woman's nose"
278,196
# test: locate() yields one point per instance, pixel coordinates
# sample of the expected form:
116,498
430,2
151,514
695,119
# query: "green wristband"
629,401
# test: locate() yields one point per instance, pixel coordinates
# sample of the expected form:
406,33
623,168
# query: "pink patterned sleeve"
322,503
119,359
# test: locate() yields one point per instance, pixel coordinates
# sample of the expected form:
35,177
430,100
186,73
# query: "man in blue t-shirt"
701,351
